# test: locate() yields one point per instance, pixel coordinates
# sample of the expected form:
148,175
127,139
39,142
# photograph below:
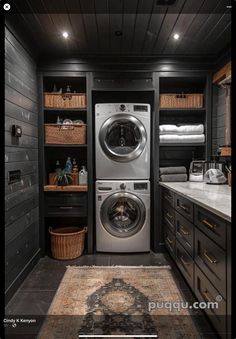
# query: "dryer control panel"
140,186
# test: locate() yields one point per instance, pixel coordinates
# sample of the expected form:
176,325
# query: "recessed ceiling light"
65,35
176,36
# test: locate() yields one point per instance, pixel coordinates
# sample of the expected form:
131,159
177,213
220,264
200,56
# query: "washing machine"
123,216
122,136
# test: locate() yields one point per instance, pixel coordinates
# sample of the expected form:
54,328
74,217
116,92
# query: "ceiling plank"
210,21
152,32
103,31
167,26
144,13
128,32
182,25
223,41
129,17
79,34
90,23
116,25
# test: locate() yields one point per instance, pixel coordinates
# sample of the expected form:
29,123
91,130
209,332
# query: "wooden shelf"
63,145
182,145
68,188
65,109
200,109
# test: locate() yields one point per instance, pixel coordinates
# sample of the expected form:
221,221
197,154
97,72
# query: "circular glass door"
122,137
123,214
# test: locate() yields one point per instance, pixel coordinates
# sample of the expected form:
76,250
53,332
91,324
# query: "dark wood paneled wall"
21,198
218,118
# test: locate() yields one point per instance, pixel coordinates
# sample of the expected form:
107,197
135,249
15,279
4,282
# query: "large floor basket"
67,242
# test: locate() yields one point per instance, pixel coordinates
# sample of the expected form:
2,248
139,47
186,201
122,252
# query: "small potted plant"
63,178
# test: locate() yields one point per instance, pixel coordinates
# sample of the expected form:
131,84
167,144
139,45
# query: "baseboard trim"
11,290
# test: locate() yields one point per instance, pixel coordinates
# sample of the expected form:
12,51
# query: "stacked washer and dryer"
122,134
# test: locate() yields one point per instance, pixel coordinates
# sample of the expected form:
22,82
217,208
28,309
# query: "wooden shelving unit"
182,145
65,145
63,205
68,188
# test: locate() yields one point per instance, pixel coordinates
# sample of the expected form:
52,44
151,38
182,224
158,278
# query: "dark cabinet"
169,217
212,225
169,239
168,197
206,292
185,264
185,233
212,261
66,205
184,207
200,244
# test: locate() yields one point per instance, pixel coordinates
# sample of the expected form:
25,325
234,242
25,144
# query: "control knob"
122,186
122,107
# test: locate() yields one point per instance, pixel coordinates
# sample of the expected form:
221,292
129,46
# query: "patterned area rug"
117,300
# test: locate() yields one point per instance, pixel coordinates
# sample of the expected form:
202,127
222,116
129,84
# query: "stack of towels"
182,133
171,174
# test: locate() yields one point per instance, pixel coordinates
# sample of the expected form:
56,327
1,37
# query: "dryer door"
122,137
123,214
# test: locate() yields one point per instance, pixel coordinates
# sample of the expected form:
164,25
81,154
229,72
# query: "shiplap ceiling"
125,27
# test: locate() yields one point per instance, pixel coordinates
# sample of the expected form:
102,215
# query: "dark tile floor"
36,293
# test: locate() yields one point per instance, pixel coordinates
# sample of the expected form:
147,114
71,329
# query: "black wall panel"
21,197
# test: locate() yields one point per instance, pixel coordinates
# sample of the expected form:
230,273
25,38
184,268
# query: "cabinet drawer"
212,261
169,238
66,205
65,199
184,233
205,292
211,224
185,263
169,217
184,207
168,197
18,253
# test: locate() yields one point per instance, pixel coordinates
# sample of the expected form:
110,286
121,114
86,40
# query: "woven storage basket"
65,134
181,100
65,100
67,242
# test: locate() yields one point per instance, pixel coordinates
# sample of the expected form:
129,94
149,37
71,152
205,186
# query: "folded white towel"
181,129
174,138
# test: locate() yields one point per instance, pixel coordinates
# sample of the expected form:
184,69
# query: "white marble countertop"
215,198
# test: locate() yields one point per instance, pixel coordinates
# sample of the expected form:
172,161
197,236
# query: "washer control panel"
122,107
140,186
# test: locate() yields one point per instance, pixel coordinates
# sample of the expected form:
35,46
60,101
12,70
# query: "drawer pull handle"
206,296
184,231
65,207
183,261
169,241
168,197
211,259
208,224
169,215
184,208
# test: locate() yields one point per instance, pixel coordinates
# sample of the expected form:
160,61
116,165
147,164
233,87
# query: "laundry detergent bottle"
83,176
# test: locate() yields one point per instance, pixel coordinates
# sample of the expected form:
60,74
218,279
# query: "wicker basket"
181,100
65,100
67,242
65,134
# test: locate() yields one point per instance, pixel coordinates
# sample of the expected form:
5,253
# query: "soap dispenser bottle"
83,176
68,165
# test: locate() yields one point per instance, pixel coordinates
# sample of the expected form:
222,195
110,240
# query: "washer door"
123,214
122,137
